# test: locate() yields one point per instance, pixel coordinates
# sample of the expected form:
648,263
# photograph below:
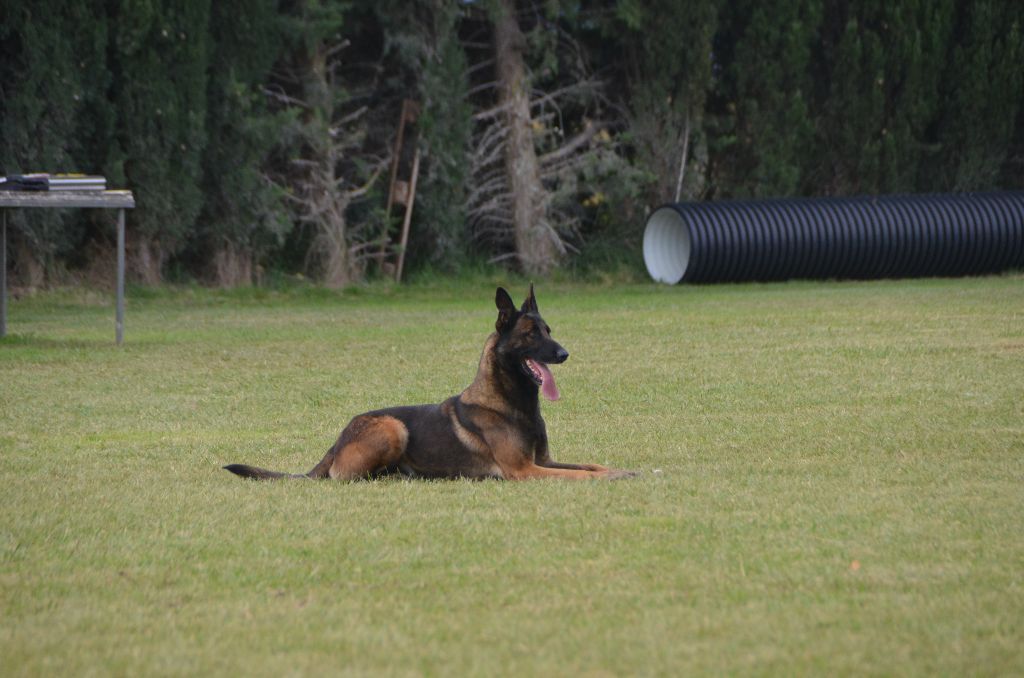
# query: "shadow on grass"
40,342
33,340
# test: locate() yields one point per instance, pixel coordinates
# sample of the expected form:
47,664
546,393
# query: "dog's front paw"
618,474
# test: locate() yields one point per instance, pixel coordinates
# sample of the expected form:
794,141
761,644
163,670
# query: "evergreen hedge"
181,101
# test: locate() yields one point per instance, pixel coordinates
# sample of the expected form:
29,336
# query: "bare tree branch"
362,190
278,94
335,128
682,159
582,139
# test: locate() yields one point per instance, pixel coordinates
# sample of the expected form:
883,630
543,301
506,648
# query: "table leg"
120,277
3,276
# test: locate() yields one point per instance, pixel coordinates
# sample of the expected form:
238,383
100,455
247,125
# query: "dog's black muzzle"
553,355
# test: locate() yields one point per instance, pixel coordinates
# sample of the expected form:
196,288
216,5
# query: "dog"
493,429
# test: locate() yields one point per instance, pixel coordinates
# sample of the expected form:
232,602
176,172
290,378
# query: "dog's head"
525,345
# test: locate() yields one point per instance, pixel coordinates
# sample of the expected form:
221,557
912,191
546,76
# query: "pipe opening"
666,246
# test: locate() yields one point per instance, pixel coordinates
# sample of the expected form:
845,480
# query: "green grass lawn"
832,482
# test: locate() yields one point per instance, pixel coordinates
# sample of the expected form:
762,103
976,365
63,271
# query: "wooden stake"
408,215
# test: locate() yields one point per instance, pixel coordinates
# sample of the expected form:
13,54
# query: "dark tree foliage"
981,93
667,47
242,216
53,116
256,134
916,36
161,64
760,106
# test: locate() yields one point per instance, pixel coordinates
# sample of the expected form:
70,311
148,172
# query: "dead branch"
335,49
277,94
590,86
682,159
357,193
481,88
582,139
335,129
486,63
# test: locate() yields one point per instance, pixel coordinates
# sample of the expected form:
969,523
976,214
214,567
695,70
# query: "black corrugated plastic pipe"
898,236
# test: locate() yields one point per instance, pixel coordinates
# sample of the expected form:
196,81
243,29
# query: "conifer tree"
668,52
916,35
242,215
982,93
763,125
321,167
53,74
161,61
851,90
446,128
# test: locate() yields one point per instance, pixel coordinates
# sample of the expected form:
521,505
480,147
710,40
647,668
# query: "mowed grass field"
831,482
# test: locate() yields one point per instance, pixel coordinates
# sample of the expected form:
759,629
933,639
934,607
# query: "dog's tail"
246,471
321,470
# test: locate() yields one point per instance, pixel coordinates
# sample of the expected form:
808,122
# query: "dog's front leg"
531,471
549,463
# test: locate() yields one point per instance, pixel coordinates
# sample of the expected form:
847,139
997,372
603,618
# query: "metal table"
119,200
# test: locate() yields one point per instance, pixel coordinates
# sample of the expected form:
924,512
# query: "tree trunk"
537,244
145,259
232,266
326,199
29,270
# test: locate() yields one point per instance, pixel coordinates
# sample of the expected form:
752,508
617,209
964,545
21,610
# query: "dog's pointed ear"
530,304
506,309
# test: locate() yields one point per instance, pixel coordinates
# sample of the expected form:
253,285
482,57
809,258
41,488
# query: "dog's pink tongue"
548,387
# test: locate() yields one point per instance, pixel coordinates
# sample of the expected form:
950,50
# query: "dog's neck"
500,387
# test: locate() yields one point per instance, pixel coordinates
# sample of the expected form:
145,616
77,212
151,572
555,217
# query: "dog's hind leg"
369,444
322,469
